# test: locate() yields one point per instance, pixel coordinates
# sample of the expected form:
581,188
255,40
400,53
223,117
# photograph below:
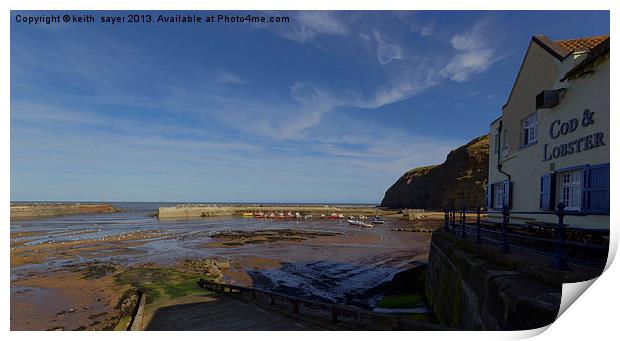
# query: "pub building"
551,144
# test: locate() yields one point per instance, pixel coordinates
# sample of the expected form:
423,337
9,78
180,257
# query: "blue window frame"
593,189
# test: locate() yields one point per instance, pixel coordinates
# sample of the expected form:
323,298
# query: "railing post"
478,225
463,222
560,261
505,247
453,221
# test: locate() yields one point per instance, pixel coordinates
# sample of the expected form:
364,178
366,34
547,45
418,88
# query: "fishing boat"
378,220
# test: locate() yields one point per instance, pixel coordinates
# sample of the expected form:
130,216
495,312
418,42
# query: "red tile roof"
582,44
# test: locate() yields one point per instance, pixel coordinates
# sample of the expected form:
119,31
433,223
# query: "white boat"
363,224
354,222
378,220
307,216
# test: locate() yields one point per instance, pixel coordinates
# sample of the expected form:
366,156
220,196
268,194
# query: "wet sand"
328,258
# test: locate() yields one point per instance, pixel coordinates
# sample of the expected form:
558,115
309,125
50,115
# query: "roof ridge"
583,38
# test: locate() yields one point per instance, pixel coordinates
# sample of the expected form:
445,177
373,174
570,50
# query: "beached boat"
307,216
363,224
353,222
378,220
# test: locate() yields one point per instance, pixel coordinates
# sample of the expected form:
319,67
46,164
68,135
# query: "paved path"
217,313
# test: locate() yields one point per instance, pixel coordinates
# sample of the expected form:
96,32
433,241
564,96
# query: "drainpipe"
499,144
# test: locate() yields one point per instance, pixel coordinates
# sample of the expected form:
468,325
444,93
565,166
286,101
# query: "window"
529,130
496,141
499,195
584,188
570,189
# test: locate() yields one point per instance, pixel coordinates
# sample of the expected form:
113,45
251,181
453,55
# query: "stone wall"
197,211
29,211
466,290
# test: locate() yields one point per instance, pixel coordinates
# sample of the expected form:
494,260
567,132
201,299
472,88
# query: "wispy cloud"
307,25
386,52
474,53
227,77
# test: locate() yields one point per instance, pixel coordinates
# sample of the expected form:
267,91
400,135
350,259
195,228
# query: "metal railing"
333,312
507,237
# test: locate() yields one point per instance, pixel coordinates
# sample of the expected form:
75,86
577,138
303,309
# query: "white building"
551,144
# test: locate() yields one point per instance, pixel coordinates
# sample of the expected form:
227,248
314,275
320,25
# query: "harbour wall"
30,211
197,211
471,287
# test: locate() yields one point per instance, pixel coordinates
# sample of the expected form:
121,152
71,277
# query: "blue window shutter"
507,201
489,196
596,189
547,192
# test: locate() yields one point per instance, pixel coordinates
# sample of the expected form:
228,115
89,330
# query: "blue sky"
331,107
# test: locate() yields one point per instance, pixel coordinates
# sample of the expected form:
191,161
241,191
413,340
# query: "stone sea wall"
197,211
29,211
467,290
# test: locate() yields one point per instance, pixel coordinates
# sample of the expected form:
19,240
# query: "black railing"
505,235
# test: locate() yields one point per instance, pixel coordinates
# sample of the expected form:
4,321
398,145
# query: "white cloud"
386,52
474,54
424,30
226,77
307,25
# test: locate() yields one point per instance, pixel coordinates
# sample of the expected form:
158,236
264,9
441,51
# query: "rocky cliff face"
458,182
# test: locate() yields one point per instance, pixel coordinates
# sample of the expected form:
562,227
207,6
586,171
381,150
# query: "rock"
458,182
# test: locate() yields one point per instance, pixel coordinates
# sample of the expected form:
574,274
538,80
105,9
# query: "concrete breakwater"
29,211
197,211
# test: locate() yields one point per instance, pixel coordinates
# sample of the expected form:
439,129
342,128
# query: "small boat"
363,224
297,215
259,215
280,215
247,214
340,216
378,220
307,216
272,215
353,222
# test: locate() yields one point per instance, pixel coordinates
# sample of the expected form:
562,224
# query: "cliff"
458,182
